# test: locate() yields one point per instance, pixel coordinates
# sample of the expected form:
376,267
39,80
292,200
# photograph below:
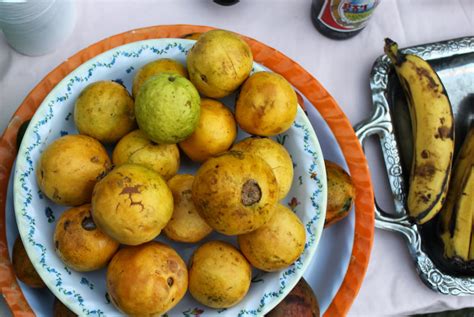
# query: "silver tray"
453,60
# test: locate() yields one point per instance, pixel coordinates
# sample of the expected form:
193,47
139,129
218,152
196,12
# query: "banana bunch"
457,216
433,133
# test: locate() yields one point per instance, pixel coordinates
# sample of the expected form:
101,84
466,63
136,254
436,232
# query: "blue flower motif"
49,214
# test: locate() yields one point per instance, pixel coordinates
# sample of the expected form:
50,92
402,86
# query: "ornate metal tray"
454,62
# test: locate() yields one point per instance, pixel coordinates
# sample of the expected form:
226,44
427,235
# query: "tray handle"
378,124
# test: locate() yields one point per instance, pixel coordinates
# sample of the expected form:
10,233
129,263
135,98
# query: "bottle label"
347,15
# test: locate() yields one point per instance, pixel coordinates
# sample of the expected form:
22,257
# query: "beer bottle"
226,2
341,19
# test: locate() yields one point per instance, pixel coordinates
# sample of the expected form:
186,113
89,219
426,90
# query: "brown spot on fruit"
88,223
423,72
95,159
56,244
170,281
425,170
173,266
66,224
442,120
204,78
251,193
424,197
130,190
444,132
237,154
425,154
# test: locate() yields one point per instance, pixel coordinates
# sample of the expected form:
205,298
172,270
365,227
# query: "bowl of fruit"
171,176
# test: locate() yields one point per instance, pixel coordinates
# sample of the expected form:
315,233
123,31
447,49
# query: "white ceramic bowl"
85,293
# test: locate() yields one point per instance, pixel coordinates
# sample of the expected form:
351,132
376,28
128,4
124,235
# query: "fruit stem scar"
251,193
88,223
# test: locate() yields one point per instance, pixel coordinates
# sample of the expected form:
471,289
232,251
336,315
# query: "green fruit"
167,108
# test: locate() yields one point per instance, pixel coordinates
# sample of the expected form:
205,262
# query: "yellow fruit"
219,275
433,133
266,104
341,193
136,148
456,222
79,243
235,192
104,110
461,168
69,168
276,244
215,133
132,204
276,156
146,280
162,65
185,225
218,63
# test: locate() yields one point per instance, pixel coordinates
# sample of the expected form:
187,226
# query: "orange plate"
271,58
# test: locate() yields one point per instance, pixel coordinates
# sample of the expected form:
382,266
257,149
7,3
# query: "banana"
433,133
457,239
464,159
471,248
466,203
457,216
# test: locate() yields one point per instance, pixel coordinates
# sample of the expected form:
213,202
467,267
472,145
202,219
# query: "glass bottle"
341,19
226,2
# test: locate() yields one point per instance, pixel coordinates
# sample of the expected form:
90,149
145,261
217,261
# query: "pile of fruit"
130,200
119,205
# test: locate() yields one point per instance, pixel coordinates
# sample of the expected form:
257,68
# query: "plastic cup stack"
36,27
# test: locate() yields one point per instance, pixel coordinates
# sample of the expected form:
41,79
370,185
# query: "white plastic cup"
19,11
37,27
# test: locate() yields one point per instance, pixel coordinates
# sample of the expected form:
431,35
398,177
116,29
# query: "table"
391,286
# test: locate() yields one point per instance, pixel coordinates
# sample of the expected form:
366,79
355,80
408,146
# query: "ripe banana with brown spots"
433,133
457,216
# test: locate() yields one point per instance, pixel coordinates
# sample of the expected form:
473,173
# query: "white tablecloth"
391,286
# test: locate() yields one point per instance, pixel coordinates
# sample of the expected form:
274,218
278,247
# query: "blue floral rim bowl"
36,216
